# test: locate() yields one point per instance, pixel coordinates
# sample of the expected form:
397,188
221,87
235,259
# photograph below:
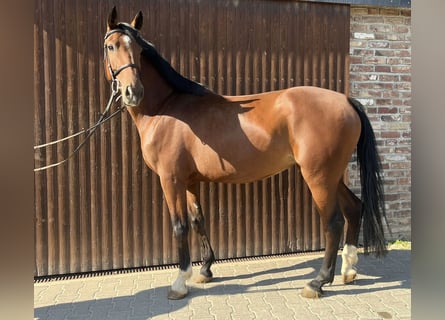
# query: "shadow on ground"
153,302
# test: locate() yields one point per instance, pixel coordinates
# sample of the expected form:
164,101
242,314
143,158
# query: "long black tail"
373,207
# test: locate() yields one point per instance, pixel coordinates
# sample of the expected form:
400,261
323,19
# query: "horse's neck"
156,93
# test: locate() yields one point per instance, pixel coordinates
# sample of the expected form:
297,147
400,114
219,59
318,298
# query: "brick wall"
380,77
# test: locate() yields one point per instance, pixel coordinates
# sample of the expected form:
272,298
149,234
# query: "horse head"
119,51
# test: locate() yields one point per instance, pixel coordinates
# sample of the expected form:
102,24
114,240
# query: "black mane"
173,78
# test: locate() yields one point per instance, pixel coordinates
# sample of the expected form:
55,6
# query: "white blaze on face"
127,40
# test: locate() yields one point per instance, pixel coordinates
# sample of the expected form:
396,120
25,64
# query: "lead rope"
90,131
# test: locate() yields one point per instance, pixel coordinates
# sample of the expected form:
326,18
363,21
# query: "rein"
103,118
115,84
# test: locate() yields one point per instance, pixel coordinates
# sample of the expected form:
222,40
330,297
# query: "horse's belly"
243,168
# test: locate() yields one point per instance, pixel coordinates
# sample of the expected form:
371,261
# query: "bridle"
115,73
115,95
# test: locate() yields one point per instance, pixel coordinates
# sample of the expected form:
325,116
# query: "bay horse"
190,134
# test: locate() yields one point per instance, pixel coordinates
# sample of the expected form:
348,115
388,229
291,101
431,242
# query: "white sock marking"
349,259
179,284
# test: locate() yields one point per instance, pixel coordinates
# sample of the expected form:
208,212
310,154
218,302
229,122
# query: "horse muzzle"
132,95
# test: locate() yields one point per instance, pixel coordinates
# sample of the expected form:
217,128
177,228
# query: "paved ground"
256,289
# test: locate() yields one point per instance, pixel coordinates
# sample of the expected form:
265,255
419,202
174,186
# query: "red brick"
405,95
397,102
381,27
391,197
401,165
373,11
371,110
405,12
403,150
389,77
403,86
363,68
384,52
382,68
405,78
378,44
373,19
374,60
394,173
389,118
382,102
390,11
388,110
356,11
363,52
404,54
402,29
401,69
355,60
390,94
395,20
390,134
407,118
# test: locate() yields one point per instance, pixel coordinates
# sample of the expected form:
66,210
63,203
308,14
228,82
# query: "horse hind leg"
332,221
197,222
350,206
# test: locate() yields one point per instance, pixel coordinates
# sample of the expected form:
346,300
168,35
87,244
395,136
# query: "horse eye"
110,48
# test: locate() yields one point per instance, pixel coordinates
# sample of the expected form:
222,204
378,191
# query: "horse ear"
112,23
137,21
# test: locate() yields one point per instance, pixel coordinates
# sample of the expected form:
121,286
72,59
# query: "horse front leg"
175,196
198,224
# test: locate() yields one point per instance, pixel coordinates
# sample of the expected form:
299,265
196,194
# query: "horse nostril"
128,92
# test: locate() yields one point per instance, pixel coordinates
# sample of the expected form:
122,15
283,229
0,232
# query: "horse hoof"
311,293
202,278
175,295
348,278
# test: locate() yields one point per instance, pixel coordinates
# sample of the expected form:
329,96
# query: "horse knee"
180,229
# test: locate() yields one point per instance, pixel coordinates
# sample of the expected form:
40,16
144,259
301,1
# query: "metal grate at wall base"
92,274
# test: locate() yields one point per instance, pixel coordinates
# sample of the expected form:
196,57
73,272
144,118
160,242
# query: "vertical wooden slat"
50,125
94,145
258,233
83,111
40,206
62,188
73,125
169,249
116,191
291,210
241,210
137,227
157,243
230,216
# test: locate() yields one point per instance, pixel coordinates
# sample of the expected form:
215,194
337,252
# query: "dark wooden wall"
104,209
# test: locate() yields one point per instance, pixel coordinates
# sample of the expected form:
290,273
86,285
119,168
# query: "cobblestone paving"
257,289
